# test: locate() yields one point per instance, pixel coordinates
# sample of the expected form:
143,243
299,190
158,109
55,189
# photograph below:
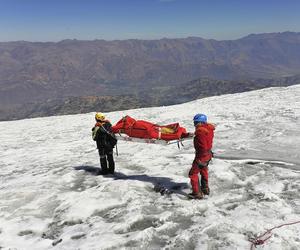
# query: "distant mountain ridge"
35,71
157,96
46,77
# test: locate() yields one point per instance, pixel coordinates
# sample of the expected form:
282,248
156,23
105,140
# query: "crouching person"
106,141
203,140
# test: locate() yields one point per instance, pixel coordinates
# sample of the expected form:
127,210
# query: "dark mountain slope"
156,96
38,71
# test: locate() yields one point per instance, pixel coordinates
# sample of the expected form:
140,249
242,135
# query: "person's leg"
193,174
103,161
111,162
204,180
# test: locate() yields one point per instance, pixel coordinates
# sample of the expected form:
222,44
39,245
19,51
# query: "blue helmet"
200,118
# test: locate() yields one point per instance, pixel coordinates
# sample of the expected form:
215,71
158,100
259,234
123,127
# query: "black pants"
106,156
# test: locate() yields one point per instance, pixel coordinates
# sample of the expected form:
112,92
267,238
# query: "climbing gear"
112,137
117,151
261,239
179,143
158,188
200,118
202,164
99,116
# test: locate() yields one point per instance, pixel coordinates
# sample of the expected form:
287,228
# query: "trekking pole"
117,149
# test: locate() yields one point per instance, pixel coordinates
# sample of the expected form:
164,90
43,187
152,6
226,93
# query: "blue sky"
54,20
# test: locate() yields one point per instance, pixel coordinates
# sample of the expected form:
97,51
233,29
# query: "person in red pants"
203,141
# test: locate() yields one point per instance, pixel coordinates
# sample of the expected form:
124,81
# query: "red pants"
193,174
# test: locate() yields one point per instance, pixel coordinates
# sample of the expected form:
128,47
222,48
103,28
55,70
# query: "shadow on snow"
161,184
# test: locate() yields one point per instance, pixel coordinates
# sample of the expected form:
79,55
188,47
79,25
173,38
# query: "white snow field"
47,202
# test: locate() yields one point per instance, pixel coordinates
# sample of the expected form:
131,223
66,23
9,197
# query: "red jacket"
203,141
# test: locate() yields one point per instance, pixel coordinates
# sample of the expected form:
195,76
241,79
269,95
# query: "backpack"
109,138
94,133
112,140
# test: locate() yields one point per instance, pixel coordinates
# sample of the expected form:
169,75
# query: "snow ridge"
51,197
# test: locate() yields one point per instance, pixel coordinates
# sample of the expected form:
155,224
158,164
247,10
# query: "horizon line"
142,39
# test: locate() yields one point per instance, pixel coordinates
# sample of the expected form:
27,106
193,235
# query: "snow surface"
47,203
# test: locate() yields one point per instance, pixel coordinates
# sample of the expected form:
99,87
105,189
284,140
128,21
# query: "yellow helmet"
99,116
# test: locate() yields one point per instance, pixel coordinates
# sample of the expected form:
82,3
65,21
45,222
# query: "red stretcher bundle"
147,130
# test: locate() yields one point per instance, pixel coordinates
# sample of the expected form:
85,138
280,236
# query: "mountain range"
36,73
156,96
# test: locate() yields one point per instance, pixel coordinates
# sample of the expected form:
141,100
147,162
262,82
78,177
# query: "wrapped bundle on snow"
147,130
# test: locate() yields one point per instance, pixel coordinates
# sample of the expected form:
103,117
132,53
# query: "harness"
206,163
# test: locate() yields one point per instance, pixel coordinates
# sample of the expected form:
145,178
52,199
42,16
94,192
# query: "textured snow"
254,180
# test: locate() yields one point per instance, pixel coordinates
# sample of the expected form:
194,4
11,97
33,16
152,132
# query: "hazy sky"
54,20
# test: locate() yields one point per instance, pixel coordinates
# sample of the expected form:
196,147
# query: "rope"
260,240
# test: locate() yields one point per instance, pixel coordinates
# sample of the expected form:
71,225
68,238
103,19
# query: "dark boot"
197,196
205,190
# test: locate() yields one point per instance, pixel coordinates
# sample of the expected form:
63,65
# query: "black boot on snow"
205,190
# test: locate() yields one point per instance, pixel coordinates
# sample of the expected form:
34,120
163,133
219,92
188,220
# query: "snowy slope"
45,201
